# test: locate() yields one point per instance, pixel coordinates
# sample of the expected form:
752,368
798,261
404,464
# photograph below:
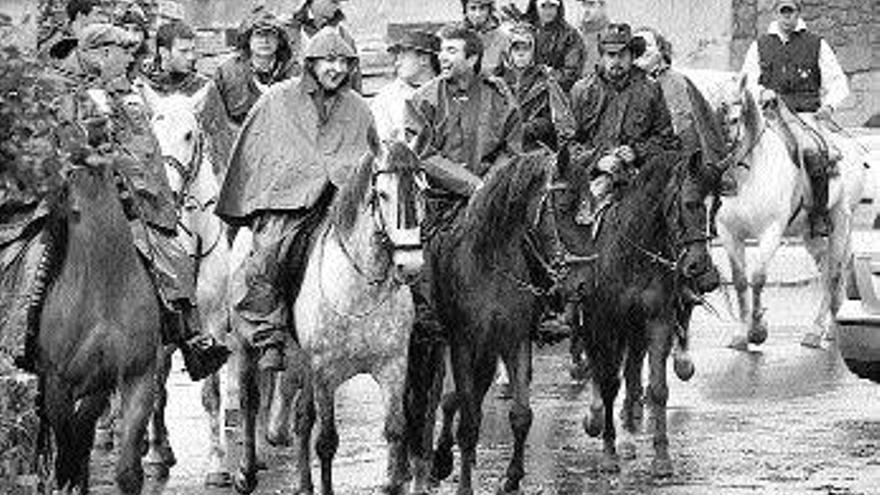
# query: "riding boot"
202,354
820,219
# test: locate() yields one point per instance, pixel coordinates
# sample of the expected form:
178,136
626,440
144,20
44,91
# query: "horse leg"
218,474
632,412
609,385
594,420
520,415
449,405
681,359
138,400
245,480
469,414
580,365
160,457
424,386
328,439
391,379
106,427
281,407
303,423
767,246
659,335
736,254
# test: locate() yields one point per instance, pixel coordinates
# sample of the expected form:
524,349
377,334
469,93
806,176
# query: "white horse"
191,177
353,315
772,201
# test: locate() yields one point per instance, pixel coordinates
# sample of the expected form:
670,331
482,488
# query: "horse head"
180,136
387,185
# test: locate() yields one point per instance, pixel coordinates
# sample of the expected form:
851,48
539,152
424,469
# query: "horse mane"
500,207
346,206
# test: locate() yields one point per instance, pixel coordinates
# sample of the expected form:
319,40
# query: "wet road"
782,420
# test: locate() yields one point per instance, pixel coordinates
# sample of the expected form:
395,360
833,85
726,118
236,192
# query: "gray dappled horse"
353,315
99,330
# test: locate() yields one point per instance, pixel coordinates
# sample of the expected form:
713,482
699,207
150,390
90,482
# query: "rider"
546,115
791,63
310,18
416,62
557,44
296,148
264,59
693,120
479,16
460,124
622,118
103,105
592,22
174,72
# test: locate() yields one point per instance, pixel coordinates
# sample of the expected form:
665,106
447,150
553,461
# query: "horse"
191,176
629,297
772,201
489,274
352,315
99,330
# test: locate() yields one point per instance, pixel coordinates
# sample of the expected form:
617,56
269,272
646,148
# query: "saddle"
807,148
28,266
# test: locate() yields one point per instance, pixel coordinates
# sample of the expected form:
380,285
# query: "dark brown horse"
487,293
631,294
99,331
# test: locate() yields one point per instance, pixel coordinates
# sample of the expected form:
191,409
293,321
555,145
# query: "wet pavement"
780,420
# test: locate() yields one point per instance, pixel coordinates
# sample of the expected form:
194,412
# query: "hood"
263,18
531,14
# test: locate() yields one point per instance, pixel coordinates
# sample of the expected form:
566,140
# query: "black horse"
99,330
488,278
631,296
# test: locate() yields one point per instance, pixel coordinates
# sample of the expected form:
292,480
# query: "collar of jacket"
170,82
623,82
773,28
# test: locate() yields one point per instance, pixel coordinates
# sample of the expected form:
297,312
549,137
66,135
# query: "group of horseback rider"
466,100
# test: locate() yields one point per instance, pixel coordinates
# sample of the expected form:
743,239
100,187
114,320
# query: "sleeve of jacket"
660,136
512,129
581,148
216,125
421,116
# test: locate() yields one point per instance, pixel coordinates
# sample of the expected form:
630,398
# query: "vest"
792,69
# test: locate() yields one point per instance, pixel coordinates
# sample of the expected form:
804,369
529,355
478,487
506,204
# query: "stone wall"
19,425
851,27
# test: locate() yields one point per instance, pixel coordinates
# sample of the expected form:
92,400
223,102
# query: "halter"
380,229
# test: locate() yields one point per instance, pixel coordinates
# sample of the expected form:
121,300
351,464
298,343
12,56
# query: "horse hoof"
442,464
104,440
758,332
244,482
610,464
158,471
218,479
661,468
627,451
261,465
278,439
594,422
812,340
130,481
684,367
507,489
739,343
163,455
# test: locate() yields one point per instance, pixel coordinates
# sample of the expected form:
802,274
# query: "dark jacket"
545,110
460,136
558,45
288,152
614,113
237,81
792,69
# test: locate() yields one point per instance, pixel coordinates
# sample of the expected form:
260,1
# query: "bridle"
185,200
385,240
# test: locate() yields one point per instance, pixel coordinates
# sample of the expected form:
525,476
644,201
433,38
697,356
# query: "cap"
100,34
328,42
421,41
617,37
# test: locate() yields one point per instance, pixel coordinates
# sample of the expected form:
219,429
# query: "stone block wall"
19,425
851,27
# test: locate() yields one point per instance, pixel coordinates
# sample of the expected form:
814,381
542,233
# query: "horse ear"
200,99
151,98
742,84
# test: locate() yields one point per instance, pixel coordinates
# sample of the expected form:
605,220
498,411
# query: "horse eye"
188,136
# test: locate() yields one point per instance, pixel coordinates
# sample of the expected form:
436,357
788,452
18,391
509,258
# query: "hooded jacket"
495,40
239,85
558,45
289,150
